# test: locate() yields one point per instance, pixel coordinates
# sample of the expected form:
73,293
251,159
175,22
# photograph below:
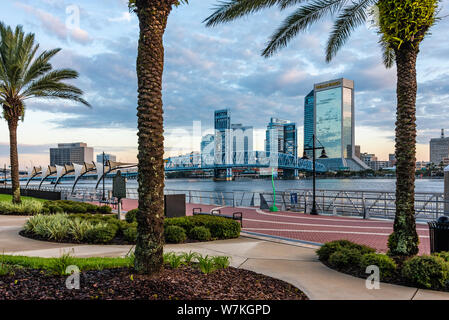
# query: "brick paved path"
316,229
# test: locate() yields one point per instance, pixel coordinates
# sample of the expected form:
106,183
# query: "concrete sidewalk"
292,262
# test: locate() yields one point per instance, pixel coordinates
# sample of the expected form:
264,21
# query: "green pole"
273,208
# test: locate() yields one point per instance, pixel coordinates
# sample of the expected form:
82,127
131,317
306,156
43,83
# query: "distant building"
281,137
439,149
67,153
357,151
421,164
107,157
391,160
309,121
223,142
242,143
334,124
378,165
367,158
207,144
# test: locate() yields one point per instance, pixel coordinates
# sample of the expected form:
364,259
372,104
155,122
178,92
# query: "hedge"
94,228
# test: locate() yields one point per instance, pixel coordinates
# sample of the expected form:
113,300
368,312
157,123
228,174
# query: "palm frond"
40,65
24,76
234,9
350,18
300,20
388,54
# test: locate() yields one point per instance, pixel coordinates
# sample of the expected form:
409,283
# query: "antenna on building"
442,133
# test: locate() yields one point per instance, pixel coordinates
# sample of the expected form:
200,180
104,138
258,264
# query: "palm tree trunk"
150,64
404,239
14,159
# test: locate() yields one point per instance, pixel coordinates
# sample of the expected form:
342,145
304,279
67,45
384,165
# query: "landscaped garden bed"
426,271
107,229
187,276
33,206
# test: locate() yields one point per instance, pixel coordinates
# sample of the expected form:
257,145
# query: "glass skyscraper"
281,137
222,124
309,110
334,123
334,106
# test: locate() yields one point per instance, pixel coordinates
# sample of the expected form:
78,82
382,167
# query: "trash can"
439,234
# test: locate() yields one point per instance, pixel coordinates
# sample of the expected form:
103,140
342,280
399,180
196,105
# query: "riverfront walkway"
306,228
291,262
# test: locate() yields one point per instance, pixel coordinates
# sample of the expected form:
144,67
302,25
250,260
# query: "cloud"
56,26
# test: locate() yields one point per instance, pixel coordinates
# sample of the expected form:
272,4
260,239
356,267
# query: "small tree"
24,76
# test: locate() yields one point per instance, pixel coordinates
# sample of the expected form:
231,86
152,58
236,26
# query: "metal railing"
366,203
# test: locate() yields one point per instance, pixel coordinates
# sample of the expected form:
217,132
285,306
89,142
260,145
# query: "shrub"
200,233
27,207
101,233
104,210
130,216
426,271
206,264
219,227
221,262
189,257
329,248
59,265
53,209
442,254
77,209
387,266
173,259
345,258
54,227
79,229
175,234
130,233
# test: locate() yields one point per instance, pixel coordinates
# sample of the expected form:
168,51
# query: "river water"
259,185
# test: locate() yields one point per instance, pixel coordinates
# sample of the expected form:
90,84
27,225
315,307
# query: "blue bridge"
224,165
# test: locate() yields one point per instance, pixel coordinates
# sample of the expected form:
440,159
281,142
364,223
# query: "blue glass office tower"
309,122
334,123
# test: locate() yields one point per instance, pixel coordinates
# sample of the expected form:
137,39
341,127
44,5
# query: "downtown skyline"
209,69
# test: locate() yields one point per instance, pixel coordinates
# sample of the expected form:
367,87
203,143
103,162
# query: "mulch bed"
184,283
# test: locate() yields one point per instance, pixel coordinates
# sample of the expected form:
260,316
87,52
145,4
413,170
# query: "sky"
208,69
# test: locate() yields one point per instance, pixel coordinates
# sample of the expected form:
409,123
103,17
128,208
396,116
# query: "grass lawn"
7,197
60,264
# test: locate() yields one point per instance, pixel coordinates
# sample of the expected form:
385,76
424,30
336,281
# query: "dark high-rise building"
309,121
223,137
68,153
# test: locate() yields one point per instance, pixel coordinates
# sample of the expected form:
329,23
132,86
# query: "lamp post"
305,157
4,173
104,177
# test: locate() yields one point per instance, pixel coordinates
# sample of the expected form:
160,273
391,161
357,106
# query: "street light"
104,177
305,157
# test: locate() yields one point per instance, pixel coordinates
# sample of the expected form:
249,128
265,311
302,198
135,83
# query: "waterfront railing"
360,203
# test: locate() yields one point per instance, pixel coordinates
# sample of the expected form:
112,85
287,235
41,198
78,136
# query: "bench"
217,213
112,202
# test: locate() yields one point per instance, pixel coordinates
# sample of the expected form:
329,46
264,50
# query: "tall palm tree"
402,26
25,75
152,15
